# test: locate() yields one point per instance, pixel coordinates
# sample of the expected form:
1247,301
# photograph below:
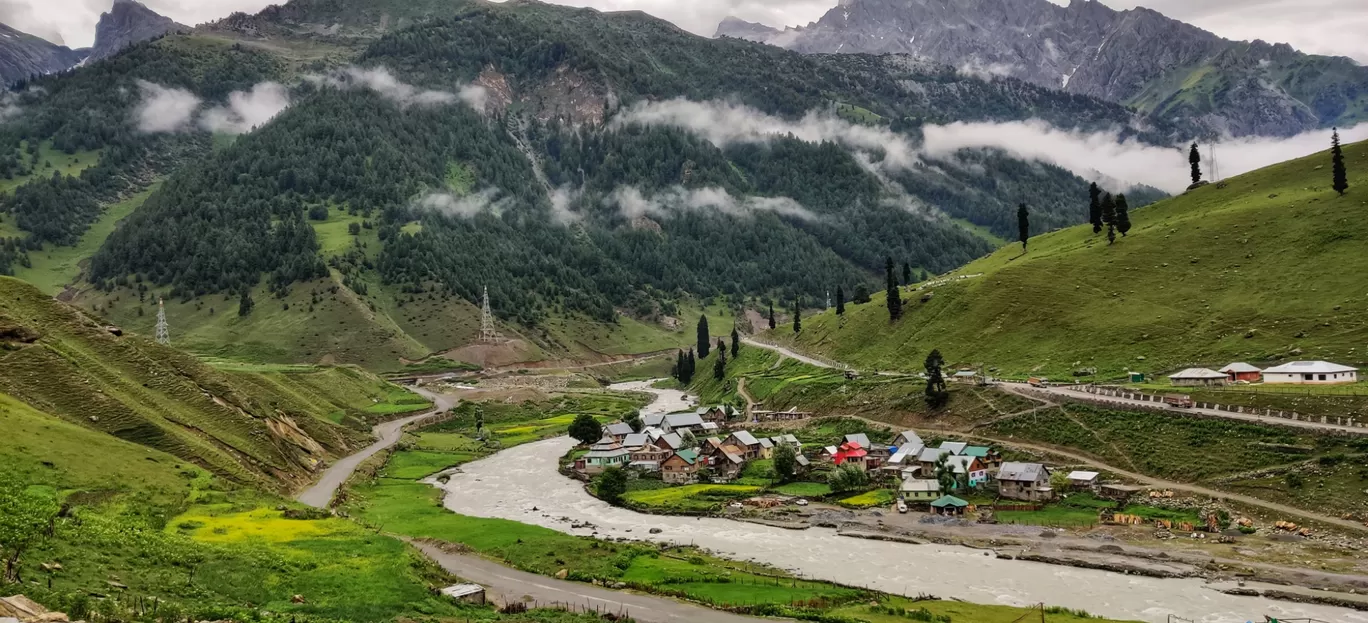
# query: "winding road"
386,435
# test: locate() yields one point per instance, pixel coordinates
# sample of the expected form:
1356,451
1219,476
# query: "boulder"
562,574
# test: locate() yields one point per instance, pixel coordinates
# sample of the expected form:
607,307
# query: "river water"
511,483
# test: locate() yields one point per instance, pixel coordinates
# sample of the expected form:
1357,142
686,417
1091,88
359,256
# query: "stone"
562,574
656,530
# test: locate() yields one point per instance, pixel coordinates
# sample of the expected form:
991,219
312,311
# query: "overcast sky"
1318,26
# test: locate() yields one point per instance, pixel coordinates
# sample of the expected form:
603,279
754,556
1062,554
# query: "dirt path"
386,434
512,585
1064,392
790,354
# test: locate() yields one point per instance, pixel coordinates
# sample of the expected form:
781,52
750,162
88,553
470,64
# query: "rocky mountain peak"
23,56
1138,57
126,23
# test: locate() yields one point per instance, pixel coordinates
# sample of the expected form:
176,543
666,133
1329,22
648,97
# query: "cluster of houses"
679,446
1294,373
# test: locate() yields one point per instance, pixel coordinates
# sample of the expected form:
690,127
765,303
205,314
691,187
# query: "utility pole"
163,335
1215,168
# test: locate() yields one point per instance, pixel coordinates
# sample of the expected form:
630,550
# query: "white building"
1310,373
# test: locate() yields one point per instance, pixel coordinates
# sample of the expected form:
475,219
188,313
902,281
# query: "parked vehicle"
1036,381
801,502
902,506
1175,400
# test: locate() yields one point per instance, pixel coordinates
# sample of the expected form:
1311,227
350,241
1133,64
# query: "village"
712,461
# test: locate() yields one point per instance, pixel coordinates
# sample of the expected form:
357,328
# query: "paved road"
387,434
1065,392
513,585
786,352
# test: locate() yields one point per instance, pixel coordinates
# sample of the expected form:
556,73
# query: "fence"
1127,399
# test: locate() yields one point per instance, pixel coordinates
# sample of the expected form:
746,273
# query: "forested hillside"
1263,268
419,160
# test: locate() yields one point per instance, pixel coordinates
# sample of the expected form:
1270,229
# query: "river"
511,483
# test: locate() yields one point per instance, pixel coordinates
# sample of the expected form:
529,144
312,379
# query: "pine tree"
936,394
689,366
771,318
704,340
1095,207
894,295
797,317
1123,223
245,303
678,371
861,294
907,274
1023,225
840,301
736,342
1341,176
1109,216
720,366
1195,159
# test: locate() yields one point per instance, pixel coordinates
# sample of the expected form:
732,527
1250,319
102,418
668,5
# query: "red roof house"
850,452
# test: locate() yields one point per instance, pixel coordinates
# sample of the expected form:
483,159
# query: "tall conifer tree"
1341,176
1109,216
1095,207
736,342
840,301
1122,219
1023,225
1195,159
771,318
797,317
894,295
704,340
907,274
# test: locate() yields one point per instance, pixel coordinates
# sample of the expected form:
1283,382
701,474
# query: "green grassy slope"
60,361
1267,266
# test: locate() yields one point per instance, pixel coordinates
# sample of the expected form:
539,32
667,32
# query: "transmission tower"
488,333
828,293
163,335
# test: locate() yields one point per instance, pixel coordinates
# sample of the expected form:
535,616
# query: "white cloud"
164,109
9,106
463,207
381,81
1101,155
247,109
561,201
631,202
722,123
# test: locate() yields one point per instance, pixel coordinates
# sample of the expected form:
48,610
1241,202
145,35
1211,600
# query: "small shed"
468,593
1137,377
1240,371
949,505
1197,377
1083,480
1118,492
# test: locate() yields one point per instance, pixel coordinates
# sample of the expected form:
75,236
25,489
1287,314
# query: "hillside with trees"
1264,267
382,219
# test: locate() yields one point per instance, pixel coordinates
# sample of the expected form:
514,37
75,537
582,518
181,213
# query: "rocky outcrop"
24,56
129,22
1162,66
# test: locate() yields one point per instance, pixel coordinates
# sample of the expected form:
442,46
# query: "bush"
611,484
319,213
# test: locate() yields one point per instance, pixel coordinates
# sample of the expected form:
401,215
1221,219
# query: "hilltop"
1263,267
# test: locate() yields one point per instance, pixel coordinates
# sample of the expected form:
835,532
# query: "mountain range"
1138,57
24,56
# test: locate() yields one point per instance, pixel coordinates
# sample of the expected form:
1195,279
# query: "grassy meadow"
1219,274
